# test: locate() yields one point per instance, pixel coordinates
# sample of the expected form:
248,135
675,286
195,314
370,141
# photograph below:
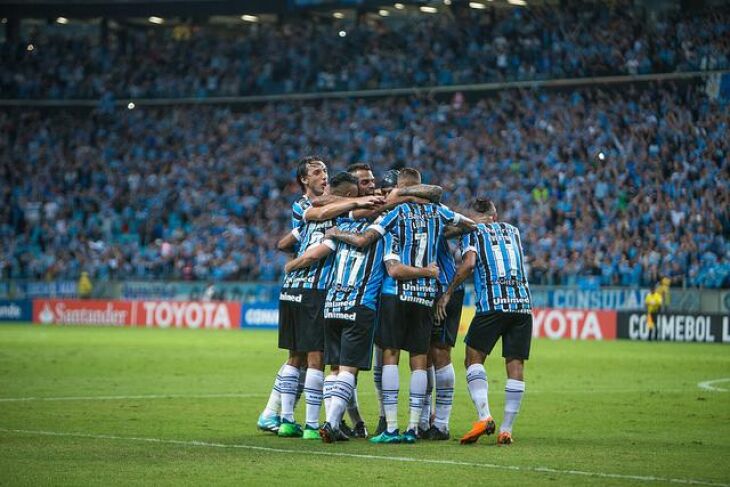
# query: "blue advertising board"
16,310
260,315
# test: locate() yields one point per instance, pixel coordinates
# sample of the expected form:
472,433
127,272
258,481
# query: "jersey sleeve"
298,213
391,247
386,222
449,216
468,243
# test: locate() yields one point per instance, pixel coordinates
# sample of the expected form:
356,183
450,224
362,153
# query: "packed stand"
625,185
466,46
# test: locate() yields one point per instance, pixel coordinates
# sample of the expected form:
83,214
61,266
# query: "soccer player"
350,311
312,177
503,309
406,314
441,373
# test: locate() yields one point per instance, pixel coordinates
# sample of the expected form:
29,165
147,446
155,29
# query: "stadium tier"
624,185
463,46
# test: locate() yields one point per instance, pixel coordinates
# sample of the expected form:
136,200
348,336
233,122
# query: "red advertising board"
82,312
162,314
574,324
189,314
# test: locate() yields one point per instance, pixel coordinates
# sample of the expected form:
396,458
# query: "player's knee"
440,356
315,360
515,368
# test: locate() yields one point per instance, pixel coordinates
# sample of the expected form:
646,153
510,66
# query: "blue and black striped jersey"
417,228
447,266
357,274
297,212
315,276
500,281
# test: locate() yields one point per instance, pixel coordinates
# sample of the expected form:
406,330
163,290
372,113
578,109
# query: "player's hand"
393,196
441,306
288,267
433,270
370,202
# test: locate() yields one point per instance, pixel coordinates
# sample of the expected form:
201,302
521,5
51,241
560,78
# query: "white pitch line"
707,385
122,398
513,468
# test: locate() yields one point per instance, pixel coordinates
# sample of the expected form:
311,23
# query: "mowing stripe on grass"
514,468
121,398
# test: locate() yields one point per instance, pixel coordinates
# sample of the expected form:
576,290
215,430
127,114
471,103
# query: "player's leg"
270,418
484,331
445,377
425,425
313,386
391,389
378,380
416,394
416,342
289,388
389,335
342,390
515,350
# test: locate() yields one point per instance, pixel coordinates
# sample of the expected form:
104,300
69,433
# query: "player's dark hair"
359,166
303,168
409,173
484,205
342,178
389,179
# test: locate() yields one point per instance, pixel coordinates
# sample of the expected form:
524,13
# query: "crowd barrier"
549,323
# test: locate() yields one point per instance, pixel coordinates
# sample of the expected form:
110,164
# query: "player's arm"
402,272
428,192
339,207
326,199
359,240
288,242
452,231
310,256
462,273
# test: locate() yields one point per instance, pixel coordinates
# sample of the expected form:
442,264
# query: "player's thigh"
517,337
419,320
390,328
445,332
332,340
310,323
287,325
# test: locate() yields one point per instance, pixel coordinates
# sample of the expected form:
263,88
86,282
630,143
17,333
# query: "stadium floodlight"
399,6
521,3
62,20
383,12
601,156
428,10
249,18
477,5
338,15
130,105
342,33
447,2
30,47
4,20
156,20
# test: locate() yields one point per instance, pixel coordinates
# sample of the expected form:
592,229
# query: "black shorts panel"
445,333
301,320
403,325
348,338
514,328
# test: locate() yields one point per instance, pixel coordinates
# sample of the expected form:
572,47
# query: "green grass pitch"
102,406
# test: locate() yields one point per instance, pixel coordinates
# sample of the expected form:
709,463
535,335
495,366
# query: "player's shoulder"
301,203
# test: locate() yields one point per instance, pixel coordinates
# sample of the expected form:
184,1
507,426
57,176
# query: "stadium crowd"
624,185
468,46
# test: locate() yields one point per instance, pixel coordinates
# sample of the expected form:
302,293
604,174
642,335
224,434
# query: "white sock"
342,389
476,379
274,405
417,393
513,392
353,408
391,386
378,378
313,393
327,392
425,423
445,378
289,386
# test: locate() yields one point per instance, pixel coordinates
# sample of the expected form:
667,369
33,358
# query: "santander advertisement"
160,314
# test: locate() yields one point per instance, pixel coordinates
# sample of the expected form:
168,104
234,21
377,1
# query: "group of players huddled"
374,271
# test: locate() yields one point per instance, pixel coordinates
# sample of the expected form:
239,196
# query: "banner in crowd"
160,314
16,310
245,292
676,327
573,324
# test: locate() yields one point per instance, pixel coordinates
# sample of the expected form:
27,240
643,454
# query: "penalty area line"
708,385
361,456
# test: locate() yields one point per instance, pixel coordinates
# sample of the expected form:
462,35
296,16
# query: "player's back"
357,273
315,276
500,280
